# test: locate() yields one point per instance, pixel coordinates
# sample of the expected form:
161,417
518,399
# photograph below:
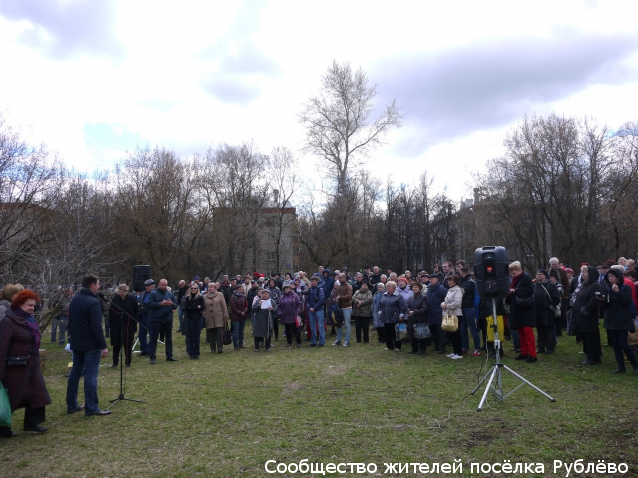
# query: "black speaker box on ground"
140,274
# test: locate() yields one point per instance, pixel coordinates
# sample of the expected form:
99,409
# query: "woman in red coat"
20,363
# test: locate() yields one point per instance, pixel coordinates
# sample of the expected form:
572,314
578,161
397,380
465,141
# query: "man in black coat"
88,344
522,317
123,316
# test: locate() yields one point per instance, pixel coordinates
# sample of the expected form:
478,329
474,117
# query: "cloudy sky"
93,79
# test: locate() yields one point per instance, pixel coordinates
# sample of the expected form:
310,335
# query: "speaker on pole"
491,271
140,274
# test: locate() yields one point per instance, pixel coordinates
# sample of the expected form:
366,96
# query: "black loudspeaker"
140,275
491,270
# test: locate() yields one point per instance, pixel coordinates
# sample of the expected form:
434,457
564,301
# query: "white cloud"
192,74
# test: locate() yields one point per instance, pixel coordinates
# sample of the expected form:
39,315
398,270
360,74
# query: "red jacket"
627,281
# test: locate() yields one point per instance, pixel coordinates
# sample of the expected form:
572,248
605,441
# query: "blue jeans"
237,330
89,362
180,315
143,335
469,320
62,323
194,333
158,328
516,339
347,313
316,321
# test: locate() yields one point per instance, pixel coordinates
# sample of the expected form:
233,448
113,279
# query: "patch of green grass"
226,415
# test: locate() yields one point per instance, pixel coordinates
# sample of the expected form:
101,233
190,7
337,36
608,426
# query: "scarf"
33,328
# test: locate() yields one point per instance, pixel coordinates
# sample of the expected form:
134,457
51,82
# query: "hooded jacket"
617,311
328,282
585,311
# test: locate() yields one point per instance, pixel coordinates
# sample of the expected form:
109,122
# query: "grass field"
226,414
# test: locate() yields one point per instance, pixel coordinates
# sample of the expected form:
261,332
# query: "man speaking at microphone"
162,303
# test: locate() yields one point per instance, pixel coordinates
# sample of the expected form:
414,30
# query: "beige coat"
453,300
216,311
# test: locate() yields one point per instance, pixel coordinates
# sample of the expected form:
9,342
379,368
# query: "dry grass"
226,415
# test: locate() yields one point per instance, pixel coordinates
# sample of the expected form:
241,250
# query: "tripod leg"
480,383
495,370
528,383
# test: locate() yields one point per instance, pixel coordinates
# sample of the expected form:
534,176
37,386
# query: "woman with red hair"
20,363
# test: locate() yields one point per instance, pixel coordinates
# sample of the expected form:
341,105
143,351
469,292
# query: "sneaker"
477,353
255,350
456,357
463,352
321,345
531,360
346,344
336,343
311,345
450,355
397,350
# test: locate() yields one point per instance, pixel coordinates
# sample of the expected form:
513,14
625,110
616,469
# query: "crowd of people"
413,309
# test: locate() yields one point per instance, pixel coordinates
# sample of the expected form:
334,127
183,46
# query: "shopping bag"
401,331
5,407
422,331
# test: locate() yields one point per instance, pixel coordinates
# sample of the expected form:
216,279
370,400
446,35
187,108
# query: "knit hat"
544,272
288,283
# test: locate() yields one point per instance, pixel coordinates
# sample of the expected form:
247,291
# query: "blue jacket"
316,298
376,302
436,295
85,322
391,307
162,313
328,282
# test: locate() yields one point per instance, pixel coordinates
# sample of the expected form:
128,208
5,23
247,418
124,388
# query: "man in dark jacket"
328,282
162,303
89,346
181,292
435,296
469,312
315,301
146,316
375,278
546,299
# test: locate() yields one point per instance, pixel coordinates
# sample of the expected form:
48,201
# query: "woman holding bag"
417,316
20,363
452,305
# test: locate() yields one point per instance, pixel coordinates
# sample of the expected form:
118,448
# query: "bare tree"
338,122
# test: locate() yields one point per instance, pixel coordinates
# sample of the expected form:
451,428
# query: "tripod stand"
123,344
495,372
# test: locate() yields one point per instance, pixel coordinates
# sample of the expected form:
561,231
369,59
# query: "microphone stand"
121,397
